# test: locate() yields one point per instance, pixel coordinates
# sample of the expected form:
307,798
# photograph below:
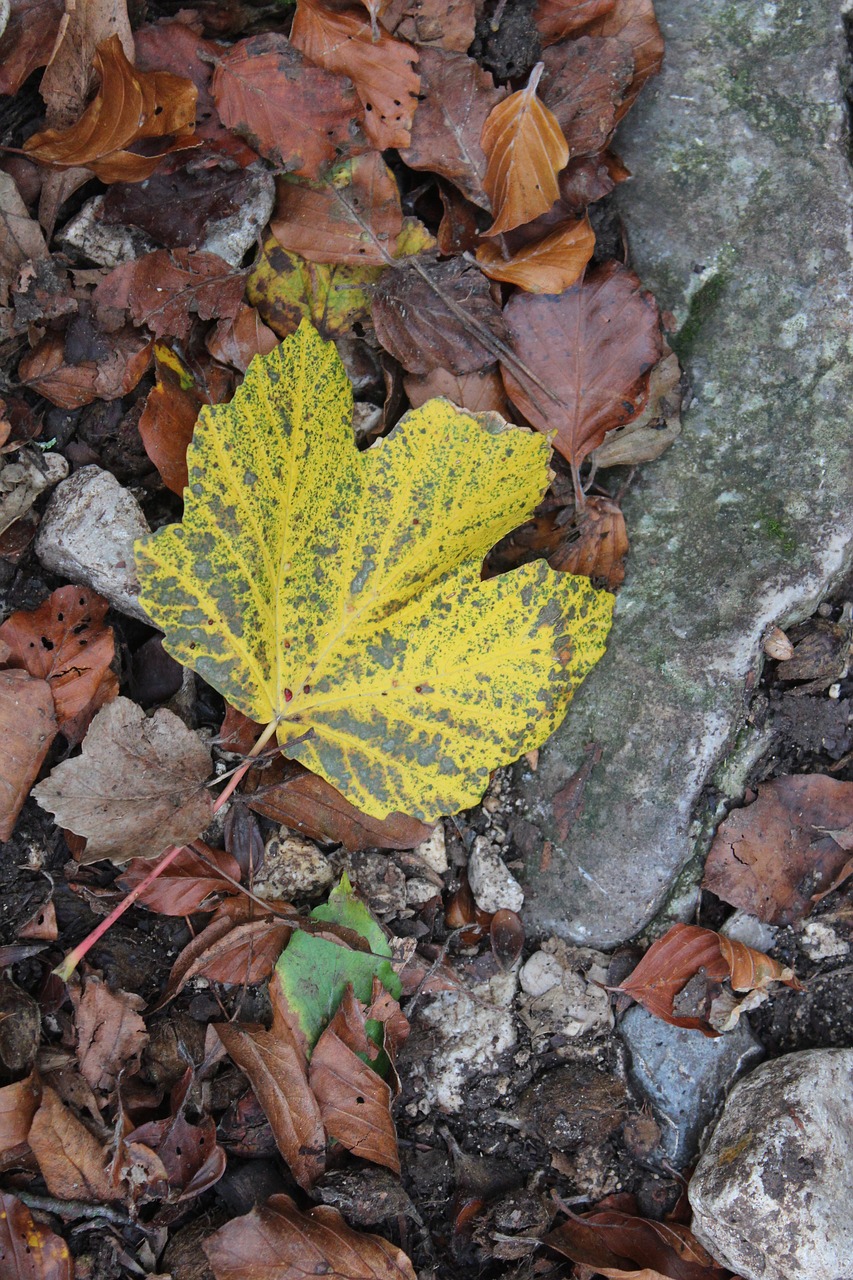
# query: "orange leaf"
130,105
600,547
752,970
27,728
548,266
18,1103
668,966
382,70
326,222
525,149
29,1250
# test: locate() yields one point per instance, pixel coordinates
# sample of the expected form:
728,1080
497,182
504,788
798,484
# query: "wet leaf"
457,97
18,1103
137,787
27,728
286,290
379,616
506,933
29,1250
525,150
166,290
625,1247
299,116
599,544
634,22
70,384
66,643
770,857
129,106
187,885
28,40
278,1242
546,266
593,347
382,68
584,83
71,1159
347,217
171,409
110,1032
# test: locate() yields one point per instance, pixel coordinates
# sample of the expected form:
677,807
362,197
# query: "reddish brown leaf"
66,643
28,40
299,116
137,788
350,217
457,97
289,794
129,106
382,69
772,856
275,1065
668,965
634,22
592,346
437,315
445,24
190,1154
599,546
751,970
70,385
355,1102
616,1243
18,1103
506,933
27,728
237,341
72,1161
481,392
525,150
545,266
165,290
110,1032
187,884
558,18
29,1250
171,411
277,1242
584,83
236,947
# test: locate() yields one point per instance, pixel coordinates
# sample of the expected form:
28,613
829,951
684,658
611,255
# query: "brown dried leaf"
772,856
751,970
350,216
618,1244
137,788
355,1102
20,236
382,69
72,385
445,24
556,19
634,22
653,431
275,1065
28,40
593,347
299,116
668,966
457,96
190,1154
237,341
186,886
71,73
546,266
525,150
66,643
425,312
72,1161
29,1250
584,83
18,1103
129,106
278,1242
480,392
110,1032
166,289
506,933
27,728
171,410
287,793
236,947
601,544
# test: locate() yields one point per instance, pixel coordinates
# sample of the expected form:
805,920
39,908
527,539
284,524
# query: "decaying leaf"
29,1250
28,40
634,22
190,1154
771,857
72,1161
21,238
584,83
382,68
165,290
27,728
137,788
368,670
287,289
599,545
24,475
279,1242
110,1032
349,216
18,1103
525,150
70,384
129,106
444,24
66,643
240,946
618,1244
653,431
299,116
171,409
187,885
545,266
478,392
593,347
237,341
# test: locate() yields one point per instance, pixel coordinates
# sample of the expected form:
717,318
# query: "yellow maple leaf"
338,593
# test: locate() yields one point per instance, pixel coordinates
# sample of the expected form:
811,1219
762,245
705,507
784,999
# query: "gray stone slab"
739,220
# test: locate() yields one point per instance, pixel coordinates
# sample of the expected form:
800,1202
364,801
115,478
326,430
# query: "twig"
74,1208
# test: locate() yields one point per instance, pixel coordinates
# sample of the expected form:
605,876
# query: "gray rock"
103,242
738,216
231,237
772,1192
87,535
684,1075
493,885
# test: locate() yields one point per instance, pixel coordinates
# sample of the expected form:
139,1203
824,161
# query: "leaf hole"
47,644
60,617
360,1101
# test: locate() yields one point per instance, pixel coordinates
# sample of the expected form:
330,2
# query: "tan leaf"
72,1161
278,1242
652,431
110,1032
548,266
382,70
137,788
27,728
20,239
187,885
18,1103
555,19
525,150
479,392
600,547
71,73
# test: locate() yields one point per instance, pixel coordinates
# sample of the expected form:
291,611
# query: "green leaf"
339,594
314,972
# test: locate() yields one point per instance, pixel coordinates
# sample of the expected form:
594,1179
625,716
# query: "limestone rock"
771,1194
493,885
563,996
293,868
87,535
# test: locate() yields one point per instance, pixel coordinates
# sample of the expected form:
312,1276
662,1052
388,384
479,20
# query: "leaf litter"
438,219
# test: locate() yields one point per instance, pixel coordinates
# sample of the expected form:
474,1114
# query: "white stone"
419,892
459,1037
748,929
102,242
87,535
562,995
231,237
293,868
493,885
821,942
773,1190
433,850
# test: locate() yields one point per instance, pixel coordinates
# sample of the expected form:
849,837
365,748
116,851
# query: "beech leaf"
29,1250
549,265
338,593
137,787
27,728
